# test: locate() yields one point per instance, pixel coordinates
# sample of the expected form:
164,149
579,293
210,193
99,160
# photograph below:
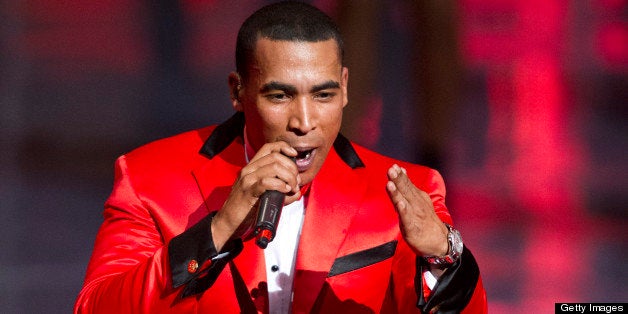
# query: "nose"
302,117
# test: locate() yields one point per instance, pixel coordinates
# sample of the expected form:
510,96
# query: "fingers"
270,174
419,224
397,187
395,196
403,192
270,169
399,177
279,147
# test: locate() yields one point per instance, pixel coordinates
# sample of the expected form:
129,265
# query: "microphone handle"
270,205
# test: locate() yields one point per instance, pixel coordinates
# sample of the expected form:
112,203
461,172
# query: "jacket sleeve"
130,267
459,289
194,260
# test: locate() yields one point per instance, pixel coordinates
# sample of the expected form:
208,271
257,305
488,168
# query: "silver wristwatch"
453,254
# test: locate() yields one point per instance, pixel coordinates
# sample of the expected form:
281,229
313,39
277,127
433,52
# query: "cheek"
330,125
332,119
270,121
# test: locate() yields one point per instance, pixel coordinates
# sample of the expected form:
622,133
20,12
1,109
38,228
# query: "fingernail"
392,172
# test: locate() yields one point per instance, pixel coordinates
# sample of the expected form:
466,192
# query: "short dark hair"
288,20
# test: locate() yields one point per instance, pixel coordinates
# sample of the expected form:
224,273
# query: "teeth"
304,155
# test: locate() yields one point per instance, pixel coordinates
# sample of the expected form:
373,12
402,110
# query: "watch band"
454,240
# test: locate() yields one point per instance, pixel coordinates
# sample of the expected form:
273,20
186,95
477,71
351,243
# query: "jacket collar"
316,253
228,131
223,135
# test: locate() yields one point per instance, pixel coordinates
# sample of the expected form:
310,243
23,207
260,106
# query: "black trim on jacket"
454,288
228,131
223,135
196,244
363,258
451,293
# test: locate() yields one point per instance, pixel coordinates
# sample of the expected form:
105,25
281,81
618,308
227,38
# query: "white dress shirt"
280,257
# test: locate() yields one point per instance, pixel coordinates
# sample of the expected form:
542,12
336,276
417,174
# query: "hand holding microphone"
270,205
269,170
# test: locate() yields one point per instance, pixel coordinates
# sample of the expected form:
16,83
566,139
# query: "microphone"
270,205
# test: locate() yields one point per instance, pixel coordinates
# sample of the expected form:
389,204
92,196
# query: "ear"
343,84
235,86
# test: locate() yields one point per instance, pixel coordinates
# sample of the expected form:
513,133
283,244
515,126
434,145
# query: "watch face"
456,242
455,250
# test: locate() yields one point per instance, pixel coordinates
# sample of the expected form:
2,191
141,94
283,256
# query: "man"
358,233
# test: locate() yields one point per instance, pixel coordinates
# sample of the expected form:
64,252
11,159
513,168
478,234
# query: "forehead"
282,55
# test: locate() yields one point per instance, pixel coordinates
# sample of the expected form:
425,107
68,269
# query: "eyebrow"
291,89
327,85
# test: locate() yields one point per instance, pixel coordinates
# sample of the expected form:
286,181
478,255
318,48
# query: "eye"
325,96
277,97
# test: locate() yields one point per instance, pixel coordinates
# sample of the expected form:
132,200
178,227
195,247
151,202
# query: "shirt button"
274,268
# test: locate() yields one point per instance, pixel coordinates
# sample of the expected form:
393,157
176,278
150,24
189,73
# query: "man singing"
358,232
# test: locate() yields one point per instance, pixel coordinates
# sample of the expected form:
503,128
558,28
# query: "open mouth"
304,158
304,154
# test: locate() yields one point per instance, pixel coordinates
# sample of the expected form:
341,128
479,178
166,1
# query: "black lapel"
247,306
229,130
347,153
223,135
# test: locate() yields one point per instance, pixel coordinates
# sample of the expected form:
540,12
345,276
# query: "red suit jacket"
351,256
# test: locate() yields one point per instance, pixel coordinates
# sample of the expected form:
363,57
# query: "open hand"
420,226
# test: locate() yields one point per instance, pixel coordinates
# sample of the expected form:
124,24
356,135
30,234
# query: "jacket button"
192,266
